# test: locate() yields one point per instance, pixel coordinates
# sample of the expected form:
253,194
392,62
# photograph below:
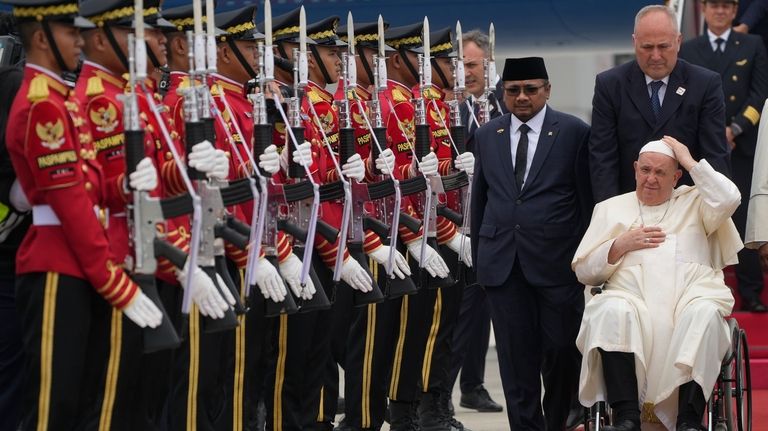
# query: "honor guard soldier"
434,411
417,328
54,158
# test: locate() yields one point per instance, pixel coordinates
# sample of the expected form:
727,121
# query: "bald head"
656,40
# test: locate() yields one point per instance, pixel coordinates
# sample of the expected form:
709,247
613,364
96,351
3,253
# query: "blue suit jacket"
540,225
693,111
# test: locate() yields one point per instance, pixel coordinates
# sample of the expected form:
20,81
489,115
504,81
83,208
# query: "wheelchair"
729,407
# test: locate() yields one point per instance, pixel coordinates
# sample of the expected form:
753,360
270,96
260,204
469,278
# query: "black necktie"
720,42
521,157
474,119
655,100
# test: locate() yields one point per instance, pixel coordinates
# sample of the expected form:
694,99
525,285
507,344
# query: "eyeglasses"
529,90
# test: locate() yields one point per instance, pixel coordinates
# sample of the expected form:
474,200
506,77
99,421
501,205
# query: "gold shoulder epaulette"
95,87
38,89
314,97
398,95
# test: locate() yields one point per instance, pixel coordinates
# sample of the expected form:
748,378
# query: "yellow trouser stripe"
367,360
194,358
277,400
427,364
398,360
113,370
320,416
239,377
46,350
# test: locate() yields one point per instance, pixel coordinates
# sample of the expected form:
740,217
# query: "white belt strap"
43,215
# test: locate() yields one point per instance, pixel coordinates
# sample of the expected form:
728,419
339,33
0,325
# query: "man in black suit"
473,325
527,220
654,95
741,61
752,17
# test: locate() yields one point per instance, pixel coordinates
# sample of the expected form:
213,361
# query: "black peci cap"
520,69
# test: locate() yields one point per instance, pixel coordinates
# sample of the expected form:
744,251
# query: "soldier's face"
69,42
656,45
656,176
526,98
362,76
474,73
446,67
156,42
719,15
329,56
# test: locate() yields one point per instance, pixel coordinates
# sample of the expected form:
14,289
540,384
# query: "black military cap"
121,12
406,37
520,69
441,43
323,32
285,27
182,17
720,1
238,24
366,35
65,11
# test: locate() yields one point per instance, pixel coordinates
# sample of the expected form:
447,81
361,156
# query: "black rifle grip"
455,217
262,138
381,136
346,144
378,227
209,130
195,134
295,170
411,223
458,133
164,336
169,251
134,149
422,141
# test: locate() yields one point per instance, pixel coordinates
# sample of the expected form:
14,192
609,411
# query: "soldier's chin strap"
408,64
115,47
320,63
366,66
153,57
436,68
55,48
239,55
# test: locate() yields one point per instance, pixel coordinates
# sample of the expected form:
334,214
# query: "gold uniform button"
168,156
88,186
732,98
84,168
735,78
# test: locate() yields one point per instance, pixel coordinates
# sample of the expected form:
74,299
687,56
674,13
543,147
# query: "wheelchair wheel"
743,387
598,416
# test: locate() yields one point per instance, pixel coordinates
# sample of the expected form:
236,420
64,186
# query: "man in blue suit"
652,96
529,199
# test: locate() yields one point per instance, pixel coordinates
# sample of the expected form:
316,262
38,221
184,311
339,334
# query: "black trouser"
300,352
11,355
536,329
56,319
748,271
470,339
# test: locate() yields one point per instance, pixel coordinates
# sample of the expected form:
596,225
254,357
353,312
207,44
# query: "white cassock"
665,304
757,214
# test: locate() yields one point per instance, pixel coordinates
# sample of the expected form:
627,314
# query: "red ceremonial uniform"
56,165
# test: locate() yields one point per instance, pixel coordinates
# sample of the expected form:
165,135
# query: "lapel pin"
549,133
680,91
500,131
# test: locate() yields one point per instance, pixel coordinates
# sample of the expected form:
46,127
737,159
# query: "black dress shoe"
479,399
625,425
754,305
689,427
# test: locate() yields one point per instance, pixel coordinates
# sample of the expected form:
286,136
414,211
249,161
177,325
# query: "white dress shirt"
536,124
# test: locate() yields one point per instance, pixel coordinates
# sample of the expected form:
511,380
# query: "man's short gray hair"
657,8
479,38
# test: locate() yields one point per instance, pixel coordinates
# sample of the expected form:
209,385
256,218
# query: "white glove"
204,293
269,281
202,157
381,256
143,312
220,166
291,271
428,165
18,198
144,178
356,276
461,245
433,262
302,155
385,162
354,169
465,162
270,160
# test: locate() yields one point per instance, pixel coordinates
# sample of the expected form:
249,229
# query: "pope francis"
654,340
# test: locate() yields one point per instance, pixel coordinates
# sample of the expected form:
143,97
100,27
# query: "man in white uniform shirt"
655,338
